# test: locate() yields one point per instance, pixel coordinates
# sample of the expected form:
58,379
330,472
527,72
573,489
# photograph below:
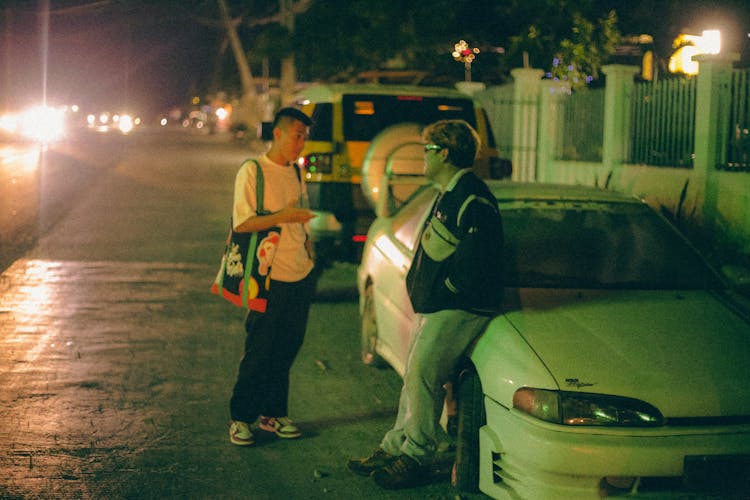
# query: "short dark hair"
458,137
293,114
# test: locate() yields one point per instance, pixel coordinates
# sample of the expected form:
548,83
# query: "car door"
392,304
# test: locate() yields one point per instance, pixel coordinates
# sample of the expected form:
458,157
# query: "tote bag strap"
259,188
260,185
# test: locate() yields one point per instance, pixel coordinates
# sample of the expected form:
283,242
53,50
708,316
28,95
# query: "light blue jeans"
439,340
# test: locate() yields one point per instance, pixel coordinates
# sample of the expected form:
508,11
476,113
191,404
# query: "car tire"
471,416
368,336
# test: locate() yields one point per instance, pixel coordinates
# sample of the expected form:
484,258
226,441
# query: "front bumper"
522,457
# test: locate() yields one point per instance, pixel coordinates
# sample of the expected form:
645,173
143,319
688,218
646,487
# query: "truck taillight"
317,163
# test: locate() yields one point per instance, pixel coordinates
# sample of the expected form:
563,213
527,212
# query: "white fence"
688,146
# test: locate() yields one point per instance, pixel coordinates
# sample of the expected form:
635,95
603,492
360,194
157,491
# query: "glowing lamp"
688,46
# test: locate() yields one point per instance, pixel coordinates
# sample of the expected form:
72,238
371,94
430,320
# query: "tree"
251,110
248,109
569,41
342,37
581,55
338,38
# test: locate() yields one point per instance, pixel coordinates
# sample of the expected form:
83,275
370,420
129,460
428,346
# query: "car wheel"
471,416
369,331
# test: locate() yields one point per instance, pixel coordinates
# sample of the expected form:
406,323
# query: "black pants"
273,341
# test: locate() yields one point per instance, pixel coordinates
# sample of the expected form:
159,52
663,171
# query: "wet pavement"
116,364
116,378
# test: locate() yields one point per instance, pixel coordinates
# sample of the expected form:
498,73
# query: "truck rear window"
322,117
366,115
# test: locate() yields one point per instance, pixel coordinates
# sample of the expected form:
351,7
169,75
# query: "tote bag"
244,273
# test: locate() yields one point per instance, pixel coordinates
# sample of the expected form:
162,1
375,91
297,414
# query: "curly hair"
458,137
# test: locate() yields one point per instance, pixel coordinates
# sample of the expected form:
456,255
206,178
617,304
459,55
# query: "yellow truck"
357,128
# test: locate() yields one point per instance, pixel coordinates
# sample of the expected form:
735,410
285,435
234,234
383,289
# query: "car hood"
686,352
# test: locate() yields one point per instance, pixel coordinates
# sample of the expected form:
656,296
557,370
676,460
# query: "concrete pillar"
550,127
617,110
526,84
711,115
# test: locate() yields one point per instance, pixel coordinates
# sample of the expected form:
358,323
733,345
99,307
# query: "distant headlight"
581,408
125,124
43,124
222,114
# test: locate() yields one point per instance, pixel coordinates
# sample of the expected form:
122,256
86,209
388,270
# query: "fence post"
527,82
711,114
617,109
550,123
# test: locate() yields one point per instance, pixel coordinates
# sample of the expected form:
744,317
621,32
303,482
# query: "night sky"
121,55
143,56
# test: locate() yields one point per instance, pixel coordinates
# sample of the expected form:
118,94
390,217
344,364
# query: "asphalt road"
116,363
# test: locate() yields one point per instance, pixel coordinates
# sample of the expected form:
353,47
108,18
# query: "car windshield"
597,245
365,115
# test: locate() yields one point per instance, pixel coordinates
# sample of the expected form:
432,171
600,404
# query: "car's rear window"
598,245
322,127
366,115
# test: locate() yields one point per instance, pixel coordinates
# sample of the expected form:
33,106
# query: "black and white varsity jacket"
458,262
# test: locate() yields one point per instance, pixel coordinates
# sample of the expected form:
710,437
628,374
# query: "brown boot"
365,466
404,472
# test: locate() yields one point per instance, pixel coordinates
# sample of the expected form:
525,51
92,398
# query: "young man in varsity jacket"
455,286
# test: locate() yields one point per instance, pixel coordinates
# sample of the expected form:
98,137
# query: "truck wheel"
396,147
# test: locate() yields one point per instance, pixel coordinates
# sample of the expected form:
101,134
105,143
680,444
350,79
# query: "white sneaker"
281,426
239,433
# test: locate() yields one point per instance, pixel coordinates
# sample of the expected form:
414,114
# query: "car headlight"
583,408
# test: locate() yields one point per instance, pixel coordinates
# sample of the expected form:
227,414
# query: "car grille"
710,474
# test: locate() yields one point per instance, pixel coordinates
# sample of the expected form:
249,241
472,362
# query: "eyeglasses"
432,147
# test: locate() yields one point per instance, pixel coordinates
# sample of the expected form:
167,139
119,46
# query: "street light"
465,54
691,45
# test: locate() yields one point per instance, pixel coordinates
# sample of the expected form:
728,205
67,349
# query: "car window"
600,246
407,223
365,115
322,127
